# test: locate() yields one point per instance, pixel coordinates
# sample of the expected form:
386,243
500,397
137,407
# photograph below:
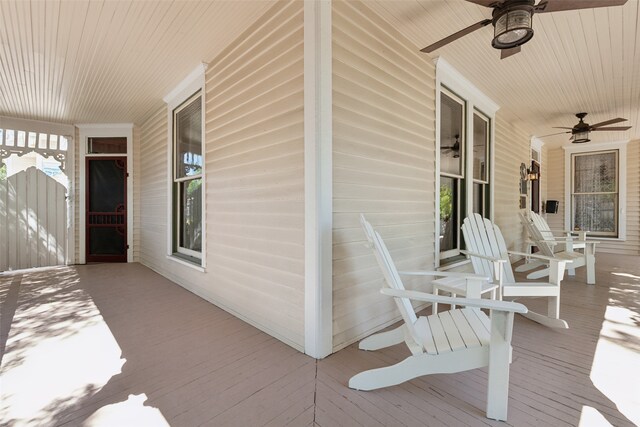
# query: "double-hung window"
595,192
464,133
187,179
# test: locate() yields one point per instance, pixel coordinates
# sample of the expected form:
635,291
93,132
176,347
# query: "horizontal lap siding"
554,169
255,175
512,148
556,191
383,163
153,193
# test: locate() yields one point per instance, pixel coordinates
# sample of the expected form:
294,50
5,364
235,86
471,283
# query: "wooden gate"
33,221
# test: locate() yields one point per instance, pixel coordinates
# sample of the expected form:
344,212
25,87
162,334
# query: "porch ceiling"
113,61
577,61
108,61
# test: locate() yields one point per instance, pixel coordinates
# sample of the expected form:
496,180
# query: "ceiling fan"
580,132
512,19
455,148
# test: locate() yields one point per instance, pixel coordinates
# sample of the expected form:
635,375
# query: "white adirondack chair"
489,256
542,237
452,283
447,342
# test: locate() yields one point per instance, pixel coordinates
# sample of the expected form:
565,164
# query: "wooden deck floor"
118,345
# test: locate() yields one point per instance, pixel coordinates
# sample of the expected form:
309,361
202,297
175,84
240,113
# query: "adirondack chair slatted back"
534,228
392,278
484,237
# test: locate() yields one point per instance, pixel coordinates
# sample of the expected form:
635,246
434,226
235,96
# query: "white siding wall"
383,163
512,148
556,190
254,180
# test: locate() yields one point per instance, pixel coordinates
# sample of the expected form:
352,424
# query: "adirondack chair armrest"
587,242
444,274
489,258
467,302
542,257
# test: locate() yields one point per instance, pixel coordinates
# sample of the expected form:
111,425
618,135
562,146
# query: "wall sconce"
532,175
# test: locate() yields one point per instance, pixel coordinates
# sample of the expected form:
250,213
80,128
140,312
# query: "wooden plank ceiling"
108,61
586,60
113,61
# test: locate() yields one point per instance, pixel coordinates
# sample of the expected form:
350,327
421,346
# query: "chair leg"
499,359
590,261
453,306
383,339
434,305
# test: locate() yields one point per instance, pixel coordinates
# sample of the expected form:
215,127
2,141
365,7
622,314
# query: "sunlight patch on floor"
591,417
59,351
131,412
616,363
626,275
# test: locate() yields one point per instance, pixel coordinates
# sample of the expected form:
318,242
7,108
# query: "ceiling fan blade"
505,53
553,134
456,36
486,3
611,128
546,6
608,122
561,127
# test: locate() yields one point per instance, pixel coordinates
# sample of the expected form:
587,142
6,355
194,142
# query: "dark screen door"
535,188
106,209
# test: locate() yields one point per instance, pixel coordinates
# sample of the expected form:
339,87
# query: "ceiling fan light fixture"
581,137
512,27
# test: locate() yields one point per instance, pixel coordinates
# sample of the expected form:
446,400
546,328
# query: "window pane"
480,138
191,214
595,173
478,199
451,124
448,214
188,128
107,145
596,212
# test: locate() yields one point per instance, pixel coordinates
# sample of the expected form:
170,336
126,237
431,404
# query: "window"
464,137
187,179
595,192
452,172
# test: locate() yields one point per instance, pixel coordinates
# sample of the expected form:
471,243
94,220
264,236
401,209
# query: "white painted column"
318,178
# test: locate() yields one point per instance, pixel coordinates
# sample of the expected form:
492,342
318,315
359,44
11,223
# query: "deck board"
195,364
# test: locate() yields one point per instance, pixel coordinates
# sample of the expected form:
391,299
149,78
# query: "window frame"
449,79
593,148
178,181
190,88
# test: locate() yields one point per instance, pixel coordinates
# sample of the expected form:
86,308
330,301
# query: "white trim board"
318,289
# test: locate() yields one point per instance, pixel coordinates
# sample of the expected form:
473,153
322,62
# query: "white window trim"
193,83
621,146
104,130
449,77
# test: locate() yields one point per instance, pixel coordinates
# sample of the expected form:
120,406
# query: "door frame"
87,131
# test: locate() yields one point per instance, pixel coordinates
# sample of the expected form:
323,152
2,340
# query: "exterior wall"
383,163
254,180
512,148
631,245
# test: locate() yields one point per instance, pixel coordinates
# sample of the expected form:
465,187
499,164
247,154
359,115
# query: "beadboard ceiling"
108,61
586,60
113,61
